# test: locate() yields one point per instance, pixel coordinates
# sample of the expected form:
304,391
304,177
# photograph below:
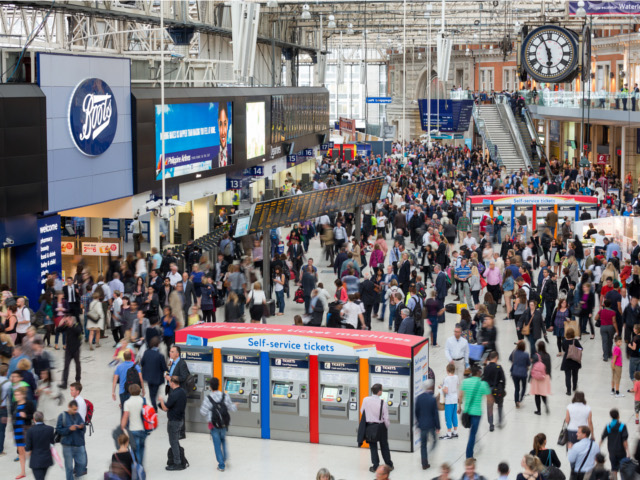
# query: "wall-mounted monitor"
256,133
197,137
242,226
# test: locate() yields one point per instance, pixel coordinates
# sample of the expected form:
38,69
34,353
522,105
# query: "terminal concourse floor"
270,459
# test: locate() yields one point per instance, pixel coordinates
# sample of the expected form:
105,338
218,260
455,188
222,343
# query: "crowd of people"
416,256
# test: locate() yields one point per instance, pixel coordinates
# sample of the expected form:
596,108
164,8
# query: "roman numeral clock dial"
550,54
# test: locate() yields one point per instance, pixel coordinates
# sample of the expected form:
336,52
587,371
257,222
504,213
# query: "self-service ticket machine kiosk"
289,402
339,399
200,363
241,381
395,378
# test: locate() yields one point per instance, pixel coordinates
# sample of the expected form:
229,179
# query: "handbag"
551,472
483,282
563,438
372,432
465,419
574,353
526,329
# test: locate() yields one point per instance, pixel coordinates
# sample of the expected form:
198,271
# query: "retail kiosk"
307,384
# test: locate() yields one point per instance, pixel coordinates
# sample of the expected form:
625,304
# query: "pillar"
357,223
154,231
95,227
201,217
266,263
547,146
623,154
612,145
172,229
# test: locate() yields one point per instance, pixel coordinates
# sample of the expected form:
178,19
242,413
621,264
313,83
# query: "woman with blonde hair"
532,468
323,473
609,272
95,320
257,301
232,309
474,285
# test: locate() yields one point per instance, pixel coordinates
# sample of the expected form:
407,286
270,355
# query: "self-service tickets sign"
100,249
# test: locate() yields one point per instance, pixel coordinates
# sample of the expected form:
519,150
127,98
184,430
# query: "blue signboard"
307,152
48,247
197,137
241,359
289,363
237,183
326,146
253,171
455,115
291,160
469,143
93,116
607,8
378,99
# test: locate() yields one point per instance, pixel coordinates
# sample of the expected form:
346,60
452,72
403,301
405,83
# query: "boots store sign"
93,116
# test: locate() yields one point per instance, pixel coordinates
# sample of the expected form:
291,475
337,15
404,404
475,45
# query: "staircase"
497,134
526,138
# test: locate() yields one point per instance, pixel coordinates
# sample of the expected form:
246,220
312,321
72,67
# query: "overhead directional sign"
283,211
378,99
257,171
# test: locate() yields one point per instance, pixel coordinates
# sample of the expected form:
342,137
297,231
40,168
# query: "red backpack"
89,416
149,417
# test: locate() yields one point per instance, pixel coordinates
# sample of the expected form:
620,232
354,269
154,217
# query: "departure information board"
283,211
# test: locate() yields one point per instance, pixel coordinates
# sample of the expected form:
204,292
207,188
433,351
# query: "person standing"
426,410
375,410
22,413
471,393
175,408
73,330
214,404
132,421
582,454
70,427
39,441
457,352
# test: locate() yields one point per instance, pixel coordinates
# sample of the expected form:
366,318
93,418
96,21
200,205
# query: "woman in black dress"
570,367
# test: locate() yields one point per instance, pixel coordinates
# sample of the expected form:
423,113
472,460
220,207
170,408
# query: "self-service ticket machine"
200,363
241,381
339,399
289,402
395,378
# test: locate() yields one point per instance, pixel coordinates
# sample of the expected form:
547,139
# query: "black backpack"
418,320
132,378
220,417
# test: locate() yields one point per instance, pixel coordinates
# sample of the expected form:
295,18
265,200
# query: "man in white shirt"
75,389
174,276
470,241
456,351
24,320
376,410
351,313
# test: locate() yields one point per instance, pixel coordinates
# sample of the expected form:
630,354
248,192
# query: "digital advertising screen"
256,125
197,137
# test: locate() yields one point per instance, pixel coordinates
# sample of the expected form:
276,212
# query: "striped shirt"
463,272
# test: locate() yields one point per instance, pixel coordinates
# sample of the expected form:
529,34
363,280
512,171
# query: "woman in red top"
606,318
525,275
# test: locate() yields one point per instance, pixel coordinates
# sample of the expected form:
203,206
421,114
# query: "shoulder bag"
526,328
551,472
563,438
373,433
576,475
574,353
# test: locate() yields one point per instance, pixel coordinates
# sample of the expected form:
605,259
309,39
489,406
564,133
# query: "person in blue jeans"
426,411
279,281
5,386
132,421
70,427
120,377
216,425
472,392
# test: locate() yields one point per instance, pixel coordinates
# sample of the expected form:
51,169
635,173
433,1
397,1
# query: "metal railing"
598,100
494,152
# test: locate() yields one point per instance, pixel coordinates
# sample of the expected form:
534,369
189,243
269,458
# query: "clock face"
550,54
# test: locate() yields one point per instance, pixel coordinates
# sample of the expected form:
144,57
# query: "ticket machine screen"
385,395
280,390
329,394
233,386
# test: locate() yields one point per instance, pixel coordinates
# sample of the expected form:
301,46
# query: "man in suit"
155,281
180,369
153,368
441,283
635,252
404,272
428,419
164,293
296,253
368,295
308,283
72,296
340,259
39,441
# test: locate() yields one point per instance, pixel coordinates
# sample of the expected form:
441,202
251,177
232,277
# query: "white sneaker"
619,395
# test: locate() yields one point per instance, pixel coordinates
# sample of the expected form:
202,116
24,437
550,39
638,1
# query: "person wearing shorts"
616,367
636,394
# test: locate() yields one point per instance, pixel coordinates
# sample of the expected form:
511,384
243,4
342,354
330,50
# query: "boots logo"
93,116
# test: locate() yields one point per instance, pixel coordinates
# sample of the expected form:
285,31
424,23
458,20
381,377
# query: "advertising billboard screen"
197,137
256,124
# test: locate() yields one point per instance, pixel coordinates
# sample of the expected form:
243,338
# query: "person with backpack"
175,407
132,421
70,427
216,408
126,374
617,441
540,378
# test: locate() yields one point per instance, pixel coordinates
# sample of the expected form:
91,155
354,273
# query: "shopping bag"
56,456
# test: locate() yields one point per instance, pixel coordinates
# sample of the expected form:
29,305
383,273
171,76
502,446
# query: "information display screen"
242,226
385,395
233,386
197,137
280,390
329,394
256,130
288,210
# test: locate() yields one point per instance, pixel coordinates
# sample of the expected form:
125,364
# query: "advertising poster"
420,376
48,245
256,124
197,137
68,248
101,249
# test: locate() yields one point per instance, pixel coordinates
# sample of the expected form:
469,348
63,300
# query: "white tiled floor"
255,458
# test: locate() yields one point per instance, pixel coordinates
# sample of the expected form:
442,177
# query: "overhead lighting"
306,15
272,3
419,55
491,48
467,52
350,29
332,22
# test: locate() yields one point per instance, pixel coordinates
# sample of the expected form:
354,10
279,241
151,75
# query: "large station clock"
550,54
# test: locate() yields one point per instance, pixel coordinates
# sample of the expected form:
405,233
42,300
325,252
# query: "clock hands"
549,62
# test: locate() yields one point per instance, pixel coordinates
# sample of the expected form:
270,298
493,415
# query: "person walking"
570,365
582,453
494,375
617,437
426,410
175,407
456,352
531,325
22,412
546,455
471,393
540,379
375,410
608,328
72,330
120,378
39,441
578,413
216,407
132,421
70,427
520,362
153,367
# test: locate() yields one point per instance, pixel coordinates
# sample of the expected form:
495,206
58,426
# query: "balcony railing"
599,100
